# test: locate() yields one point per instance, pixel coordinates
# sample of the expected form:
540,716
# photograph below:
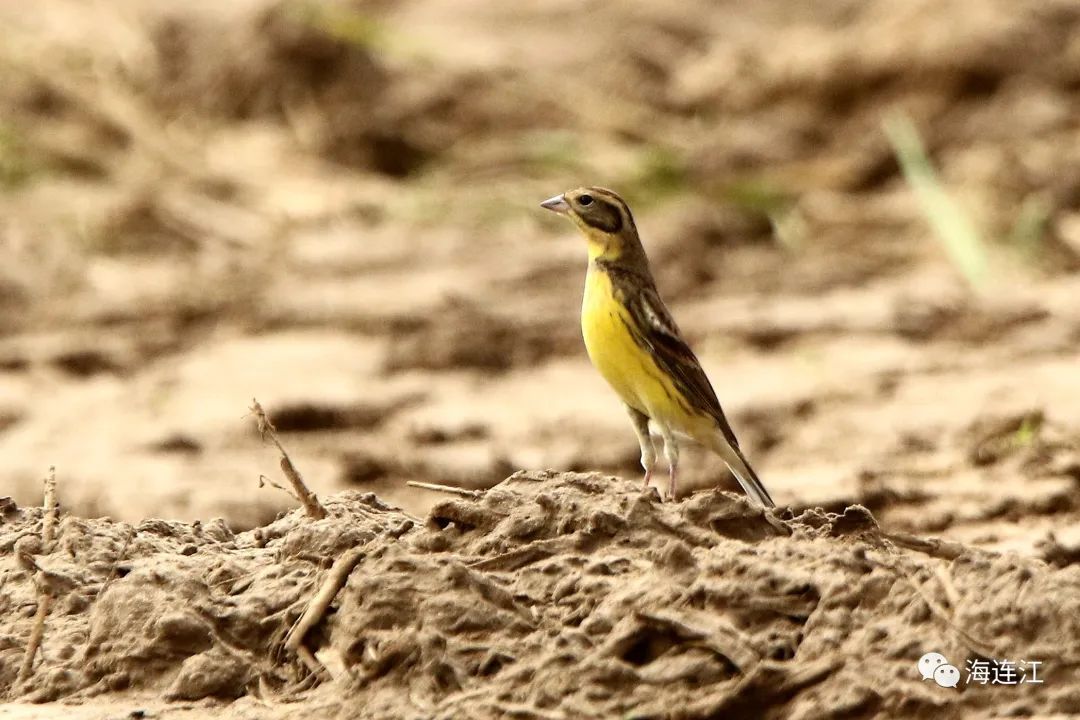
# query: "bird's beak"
556,204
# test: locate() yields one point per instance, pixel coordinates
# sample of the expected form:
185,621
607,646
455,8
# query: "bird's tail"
740,468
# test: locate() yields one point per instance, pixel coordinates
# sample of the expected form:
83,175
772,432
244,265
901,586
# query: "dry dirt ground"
332,207
549,595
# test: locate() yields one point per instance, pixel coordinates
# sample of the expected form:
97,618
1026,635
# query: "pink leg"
648,452
671,452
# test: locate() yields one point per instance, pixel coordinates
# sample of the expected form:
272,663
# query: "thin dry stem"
316,609
37,634
948,587
446,489
116,565
934,547
263,480
317,669
48,525
309,500
48,532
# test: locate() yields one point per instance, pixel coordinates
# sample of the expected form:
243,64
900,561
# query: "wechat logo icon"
934,666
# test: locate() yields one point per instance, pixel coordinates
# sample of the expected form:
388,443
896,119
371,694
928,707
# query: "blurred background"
864,214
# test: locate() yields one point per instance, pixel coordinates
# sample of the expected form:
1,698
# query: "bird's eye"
585,200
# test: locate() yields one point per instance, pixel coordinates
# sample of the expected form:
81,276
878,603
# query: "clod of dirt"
178,443
568,594
312,416
1060,552
361,468
9,418
964,322
464,335
215,673
86,363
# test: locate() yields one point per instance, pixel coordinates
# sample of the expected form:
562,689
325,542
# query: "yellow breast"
628,367
610,346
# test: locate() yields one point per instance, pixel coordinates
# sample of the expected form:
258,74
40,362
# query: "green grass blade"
947,219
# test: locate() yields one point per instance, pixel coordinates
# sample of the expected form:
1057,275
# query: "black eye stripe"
602,215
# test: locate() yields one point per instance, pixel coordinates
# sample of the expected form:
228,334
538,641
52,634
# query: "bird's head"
603,218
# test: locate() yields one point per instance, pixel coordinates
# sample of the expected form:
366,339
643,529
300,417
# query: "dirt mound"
167,200
550,595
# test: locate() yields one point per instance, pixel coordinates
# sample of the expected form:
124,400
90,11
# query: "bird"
633,341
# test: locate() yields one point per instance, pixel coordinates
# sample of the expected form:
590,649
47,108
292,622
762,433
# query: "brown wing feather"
673,355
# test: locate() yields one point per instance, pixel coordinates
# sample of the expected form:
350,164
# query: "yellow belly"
627,367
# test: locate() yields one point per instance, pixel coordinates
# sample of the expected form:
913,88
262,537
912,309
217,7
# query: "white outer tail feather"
740,468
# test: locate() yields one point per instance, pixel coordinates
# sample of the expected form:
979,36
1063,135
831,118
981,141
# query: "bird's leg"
648,452
671,453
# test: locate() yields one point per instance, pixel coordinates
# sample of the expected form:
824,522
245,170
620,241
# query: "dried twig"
48,531
48,524
520,557
446,489
310,502
316,609
948,587
934,547
318,670
115,568
263,481
37,634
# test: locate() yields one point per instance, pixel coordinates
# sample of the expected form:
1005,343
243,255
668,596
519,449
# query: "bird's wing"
676,358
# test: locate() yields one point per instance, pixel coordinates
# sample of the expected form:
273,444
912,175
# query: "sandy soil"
332,207
550,595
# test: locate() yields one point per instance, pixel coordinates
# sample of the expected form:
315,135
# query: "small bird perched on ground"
634,343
